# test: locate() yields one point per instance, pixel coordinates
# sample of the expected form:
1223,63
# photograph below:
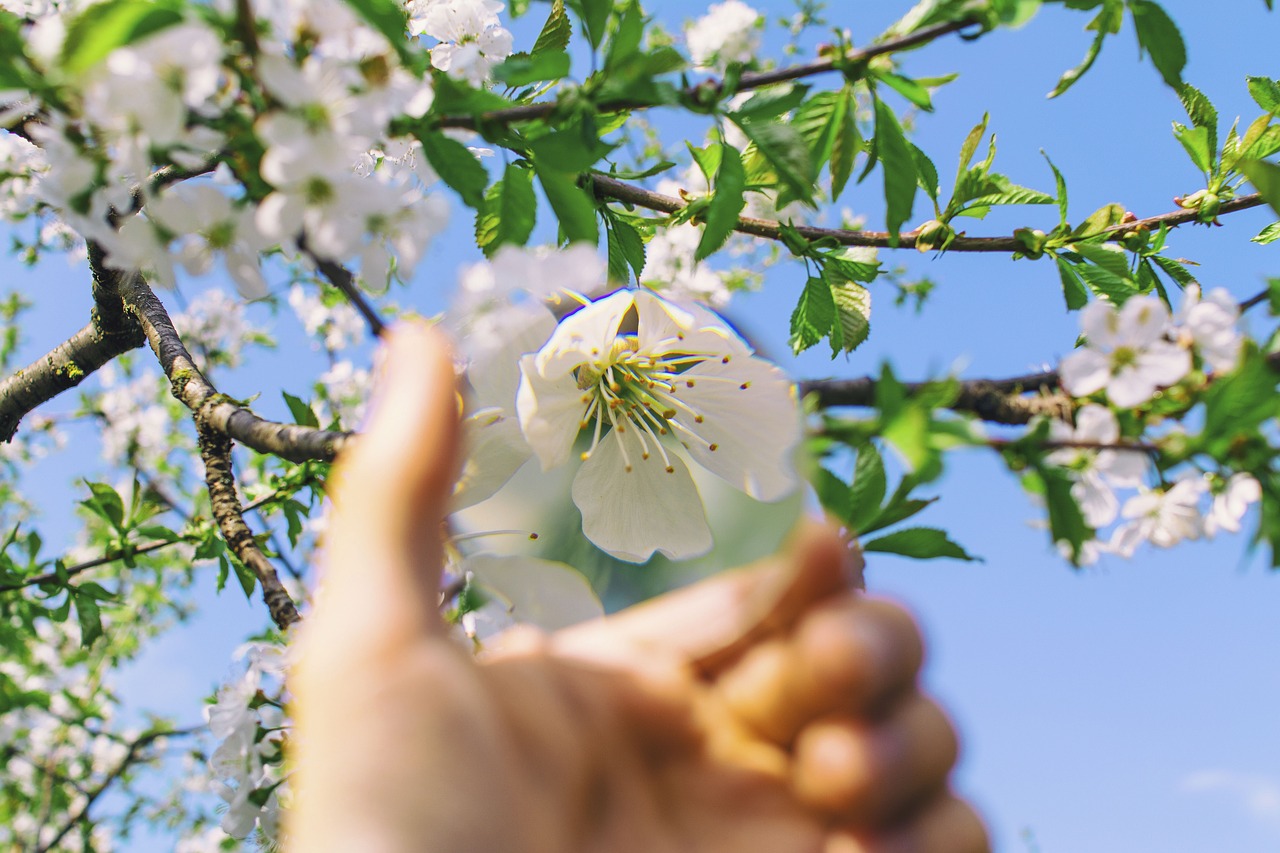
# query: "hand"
769,709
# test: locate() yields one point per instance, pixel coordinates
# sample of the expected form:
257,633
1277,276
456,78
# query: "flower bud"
934,235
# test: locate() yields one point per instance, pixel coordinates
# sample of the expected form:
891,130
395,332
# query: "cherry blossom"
1163,517
1231,503
637,372
1126,353
1209,325
729,32
1096,470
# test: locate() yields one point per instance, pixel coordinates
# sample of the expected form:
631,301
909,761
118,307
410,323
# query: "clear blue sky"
1126,707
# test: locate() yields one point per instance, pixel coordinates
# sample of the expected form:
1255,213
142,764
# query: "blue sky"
1125,707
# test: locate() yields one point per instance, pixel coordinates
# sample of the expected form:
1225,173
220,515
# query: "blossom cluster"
1130,355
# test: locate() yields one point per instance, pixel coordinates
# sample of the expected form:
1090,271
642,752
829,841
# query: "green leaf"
1265,92
626,36
970,146
1073,289
521,69
224,571
785,149
516,207
846,142
457,167
853,316
90,618
1269,234
107,503
1265,178
1237,404
1066,521
818,120
573,206
813,316
726,204
556,32
1174,270
244,575
1196,142
1100,220
907,88
921,543
594,14
1201,112
301,411
852,264
1104,24
768,104
832,493
927,173
1159,36
868,490
1060,184
627,242
899,170
101,28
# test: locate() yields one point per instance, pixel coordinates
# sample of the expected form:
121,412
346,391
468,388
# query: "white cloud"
1258,794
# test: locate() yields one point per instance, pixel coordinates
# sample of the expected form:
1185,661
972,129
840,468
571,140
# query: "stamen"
626,459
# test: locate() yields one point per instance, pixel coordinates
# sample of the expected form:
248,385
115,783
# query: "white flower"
1230,504
214,325
670,267
472,39
209,222
340,323
1209,324
1126,353
1163,518
729,32
345,388
1097,470
633,370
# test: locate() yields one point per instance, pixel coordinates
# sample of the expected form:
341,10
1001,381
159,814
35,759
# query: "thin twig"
215,450
612,189
341,278
994,400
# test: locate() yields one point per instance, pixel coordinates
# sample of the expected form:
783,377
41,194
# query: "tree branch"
531,112
110,333
341,278
130,757
611,189
215,450
996,400
215,410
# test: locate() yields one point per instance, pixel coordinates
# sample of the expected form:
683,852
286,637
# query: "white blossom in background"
670,268
344,393
340,323
472,38
728,33
650,382
1231,503
1096,471
1163,517
215,324
135,417
210,224
21,164
1126,353
1209,325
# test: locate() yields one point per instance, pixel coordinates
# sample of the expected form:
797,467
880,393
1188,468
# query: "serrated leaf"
1013,195
907,88
594,15
1066,521
853,316
768,104
1265,92
1269,234
516,207
846,142
457,167
813,316
852,264
1195,140
626,37
818,120
721,216
1071,75
1074,292
1100,220
101,28
573,206
832,493
1060,185
921,543
899,170
1174,270
300,411
556,31
629,243
868,489
1159,36
522,69
107,503
785,150
1201,112
927,173
1106,255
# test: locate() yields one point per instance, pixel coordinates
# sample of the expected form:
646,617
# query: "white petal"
1143,321
754,429
1084,372
1099,324
495,372
1122,468
633,513
495,451
1096,423
1130,387
550,413
1098,503
666,327
585,335
1164,363
547,594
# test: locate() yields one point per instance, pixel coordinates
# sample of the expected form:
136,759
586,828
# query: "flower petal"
749,415
495,451
666,328
550,413
547,594
584,336
633,513
1084,372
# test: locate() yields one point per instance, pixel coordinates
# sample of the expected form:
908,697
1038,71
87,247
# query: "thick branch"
215,410
215,450
611,189
531,112
995,400
110,333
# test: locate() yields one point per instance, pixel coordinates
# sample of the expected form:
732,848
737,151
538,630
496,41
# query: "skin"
768,709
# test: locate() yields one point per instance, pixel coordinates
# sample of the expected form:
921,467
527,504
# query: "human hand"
769,709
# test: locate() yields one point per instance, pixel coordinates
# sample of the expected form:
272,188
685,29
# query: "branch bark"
215,450
612,189
998,401
216,410
111,332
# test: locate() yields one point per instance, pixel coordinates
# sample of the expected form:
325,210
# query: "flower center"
629,390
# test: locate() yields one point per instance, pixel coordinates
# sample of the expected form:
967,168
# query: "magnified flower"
649,382
1126,353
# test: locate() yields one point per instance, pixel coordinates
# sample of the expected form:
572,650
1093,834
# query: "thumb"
390,492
